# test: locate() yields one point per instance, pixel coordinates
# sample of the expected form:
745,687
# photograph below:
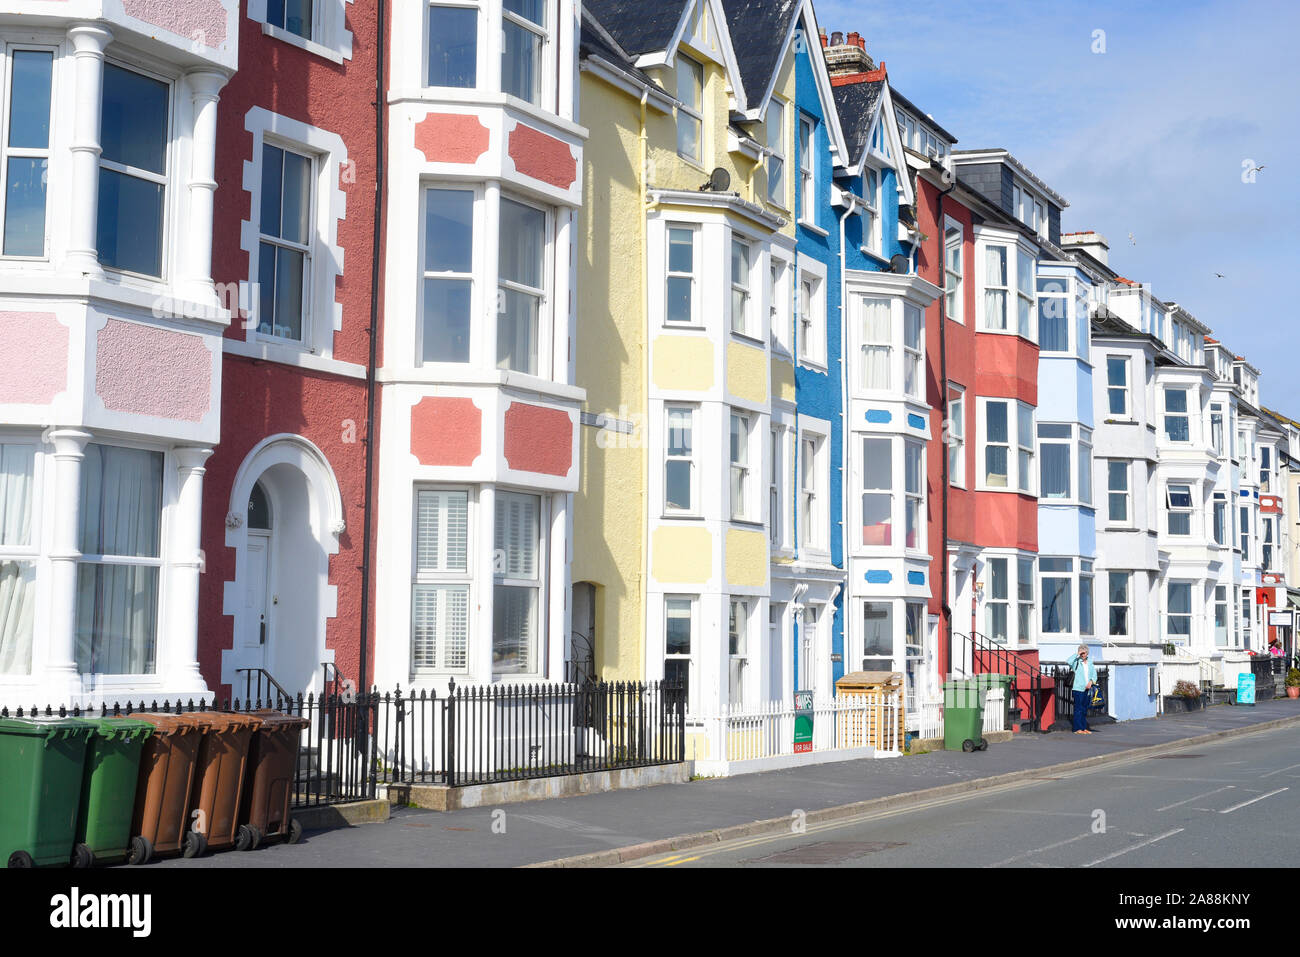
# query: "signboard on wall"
1284,619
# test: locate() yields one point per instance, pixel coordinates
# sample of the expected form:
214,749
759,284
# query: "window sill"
681,517
268,351
302,43
749,524
814,228
748,339
816,365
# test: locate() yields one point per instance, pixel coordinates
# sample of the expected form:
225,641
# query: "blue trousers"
1081,711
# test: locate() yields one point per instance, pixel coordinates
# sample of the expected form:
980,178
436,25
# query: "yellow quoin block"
747,372
681,555
746,558
683,362
782,380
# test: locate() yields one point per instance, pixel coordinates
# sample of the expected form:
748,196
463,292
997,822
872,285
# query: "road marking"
1279,771
1156,777
1197,798
1111,857
684,860
1235,807
1039,850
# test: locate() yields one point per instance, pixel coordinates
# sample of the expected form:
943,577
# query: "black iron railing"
978,654
506,732
1063,679
335,758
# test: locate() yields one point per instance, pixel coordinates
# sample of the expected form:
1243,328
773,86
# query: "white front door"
257,637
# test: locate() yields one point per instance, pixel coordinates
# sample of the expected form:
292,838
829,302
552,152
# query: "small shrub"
1185,689
1293,678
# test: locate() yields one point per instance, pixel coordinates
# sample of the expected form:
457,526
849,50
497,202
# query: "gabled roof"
856,104
760,33
639,26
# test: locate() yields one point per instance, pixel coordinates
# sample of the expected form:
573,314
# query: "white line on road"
1191,799
1111,857
1229,810
1280,770
1039,850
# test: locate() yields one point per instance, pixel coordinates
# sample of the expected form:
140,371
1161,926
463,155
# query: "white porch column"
61,678
184,562
560,588
491,262
480,633
197,279
88,41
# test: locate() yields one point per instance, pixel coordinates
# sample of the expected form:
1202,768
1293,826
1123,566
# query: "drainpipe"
643,583
944,607
367,533
852,202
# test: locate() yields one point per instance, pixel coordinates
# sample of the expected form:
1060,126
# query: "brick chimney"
847,57
1092,243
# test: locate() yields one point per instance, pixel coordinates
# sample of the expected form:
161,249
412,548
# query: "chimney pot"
825,41
862,43
837,38
853,39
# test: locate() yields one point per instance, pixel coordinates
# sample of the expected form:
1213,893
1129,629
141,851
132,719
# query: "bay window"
737,651
679,659
1178,613
1025,599
17,557
877,344
1055,447
740,490
440,605
1220,518
1177,422
1117,394
1216,428
524,38
521,270
1025,294
877,491
741,253
517,584
914,490
1245,532
121,561
681,290
1266,546
1085,597
877,636
995,288
1178,499
690,107
956,435
1057,575
284,243
447,276
913,352
679,460
998,602
954,300
1053,315
1117,486
779,321
1222,631
25,152
1119,604
135,122
1008,594
452,46
775,127
1247,617
997,445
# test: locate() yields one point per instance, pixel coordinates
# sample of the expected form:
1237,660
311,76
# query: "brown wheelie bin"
160,823
219,776
272,762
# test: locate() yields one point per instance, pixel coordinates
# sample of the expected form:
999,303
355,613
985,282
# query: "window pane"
1053,324
534,10
517,327
688,135
446,320
912,470
1055,469
514,625
678,630
877,523
29,109
295,218
678,481
523,243
121,501
439,627
517,534
679,432
1056,605
441,531
17,616
681,250
17,473
133,129
998,570
877,464
288,293
117,616
521,59
878,634
272,189
679,299
453,46
24,229
449,230
995,466
995,415
129,232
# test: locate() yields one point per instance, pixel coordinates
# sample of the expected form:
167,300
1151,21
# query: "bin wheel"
244,838
82,856
968,745
141,850
295,831
21,859
984,744
195,844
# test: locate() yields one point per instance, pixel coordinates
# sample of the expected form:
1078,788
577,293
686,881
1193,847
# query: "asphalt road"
1226,803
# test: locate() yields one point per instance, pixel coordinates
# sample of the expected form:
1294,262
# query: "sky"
1144,128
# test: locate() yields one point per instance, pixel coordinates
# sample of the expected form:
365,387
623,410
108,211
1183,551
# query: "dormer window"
690,107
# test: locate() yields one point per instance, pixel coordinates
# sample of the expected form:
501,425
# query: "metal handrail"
1017,667
261,673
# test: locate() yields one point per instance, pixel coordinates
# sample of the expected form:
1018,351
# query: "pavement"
598,829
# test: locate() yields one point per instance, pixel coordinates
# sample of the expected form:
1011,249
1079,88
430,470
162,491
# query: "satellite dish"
898,263
719,180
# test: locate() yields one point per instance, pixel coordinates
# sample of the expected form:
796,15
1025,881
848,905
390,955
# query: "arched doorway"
286,516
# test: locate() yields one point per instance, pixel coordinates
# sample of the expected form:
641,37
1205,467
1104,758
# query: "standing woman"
1085,676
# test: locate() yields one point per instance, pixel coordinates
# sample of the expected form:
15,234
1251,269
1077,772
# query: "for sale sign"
803,721
1245,688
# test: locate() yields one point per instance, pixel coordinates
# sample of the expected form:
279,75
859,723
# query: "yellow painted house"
684,295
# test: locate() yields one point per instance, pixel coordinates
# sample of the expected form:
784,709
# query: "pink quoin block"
451,138
201,20
143,370
538,439
35,366
543,157
446,431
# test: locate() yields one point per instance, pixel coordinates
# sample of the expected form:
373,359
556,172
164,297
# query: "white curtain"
995,300
876,342
117,604
17,578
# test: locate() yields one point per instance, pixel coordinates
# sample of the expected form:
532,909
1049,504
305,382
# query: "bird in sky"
1256,169
1132,240
1221,275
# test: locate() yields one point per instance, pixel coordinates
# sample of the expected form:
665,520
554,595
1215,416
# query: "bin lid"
46,727
126,728
222,721
166,724
279,721
869,679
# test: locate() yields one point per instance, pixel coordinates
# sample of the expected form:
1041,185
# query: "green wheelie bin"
108,791
988,682
963,715
41,765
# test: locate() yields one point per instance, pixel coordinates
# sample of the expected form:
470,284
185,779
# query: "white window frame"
545,65
954,279
812,323
780,305
914,498
871,218
8,152
1221,601
814,488
1190,614
692,657
545,333
1015,442
28,553
1184,511
480,44
1058,300
775,164
741,285
889,491
1077,440
308,292
1166,416
955,435
1244,530
1126,604
692,112
538,582
738,641
1124,494
987,321
472,277
779,513
1220,528
444,578
692,276
913,354
689,458
807,170
871,346
741,485
1122,388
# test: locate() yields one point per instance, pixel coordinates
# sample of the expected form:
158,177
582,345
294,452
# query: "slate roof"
856,103
638,26
758,30
595,40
